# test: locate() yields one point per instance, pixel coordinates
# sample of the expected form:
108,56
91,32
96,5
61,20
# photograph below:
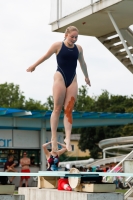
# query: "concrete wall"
54,194
12,197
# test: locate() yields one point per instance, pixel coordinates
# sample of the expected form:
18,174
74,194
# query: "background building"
76,152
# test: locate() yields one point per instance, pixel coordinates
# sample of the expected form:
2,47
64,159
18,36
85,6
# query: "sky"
25,36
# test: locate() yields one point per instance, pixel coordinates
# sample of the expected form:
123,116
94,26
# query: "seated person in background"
99,168
73,166
9,167
89,169
81,169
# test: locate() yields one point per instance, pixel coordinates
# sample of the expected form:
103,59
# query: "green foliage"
31,104
84,102
127,129
129,109
102,102
11,96
50,103
89,140
90,136
118,103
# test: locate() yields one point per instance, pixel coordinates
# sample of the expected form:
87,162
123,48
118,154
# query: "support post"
60,9
42,141
121,37
57,14
58,4
104,154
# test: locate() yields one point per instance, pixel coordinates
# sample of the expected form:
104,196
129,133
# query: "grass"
121,190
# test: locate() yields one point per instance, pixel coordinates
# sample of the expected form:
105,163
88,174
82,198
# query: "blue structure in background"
35,120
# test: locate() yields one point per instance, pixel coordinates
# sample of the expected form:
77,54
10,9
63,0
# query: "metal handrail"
127,156
128,179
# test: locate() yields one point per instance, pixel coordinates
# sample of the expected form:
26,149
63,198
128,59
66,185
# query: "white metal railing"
62,8
128,179
130,155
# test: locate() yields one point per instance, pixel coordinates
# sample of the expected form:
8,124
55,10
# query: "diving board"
66,174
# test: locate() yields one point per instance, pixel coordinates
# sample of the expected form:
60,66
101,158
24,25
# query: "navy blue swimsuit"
67,63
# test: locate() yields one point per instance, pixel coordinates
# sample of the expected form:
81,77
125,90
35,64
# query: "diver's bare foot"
68,144
54,145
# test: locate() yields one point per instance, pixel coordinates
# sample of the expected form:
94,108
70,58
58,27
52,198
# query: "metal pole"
121,37
58,4
42,141
60,9
92,5
57,10
104,154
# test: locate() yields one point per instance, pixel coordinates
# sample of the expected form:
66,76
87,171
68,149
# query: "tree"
84,102
88,140
50,103
102,102
11,96
105,102
33,105
127,129
118,103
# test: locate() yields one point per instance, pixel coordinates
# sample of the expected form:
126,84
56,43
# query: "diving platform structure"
107,20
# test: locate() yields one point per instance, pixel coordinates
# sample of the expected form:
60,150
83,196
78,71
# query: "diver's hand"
87,80
31,68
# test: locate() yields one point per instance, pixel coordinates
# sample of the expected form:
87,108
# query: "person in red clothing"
9,166
25,167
